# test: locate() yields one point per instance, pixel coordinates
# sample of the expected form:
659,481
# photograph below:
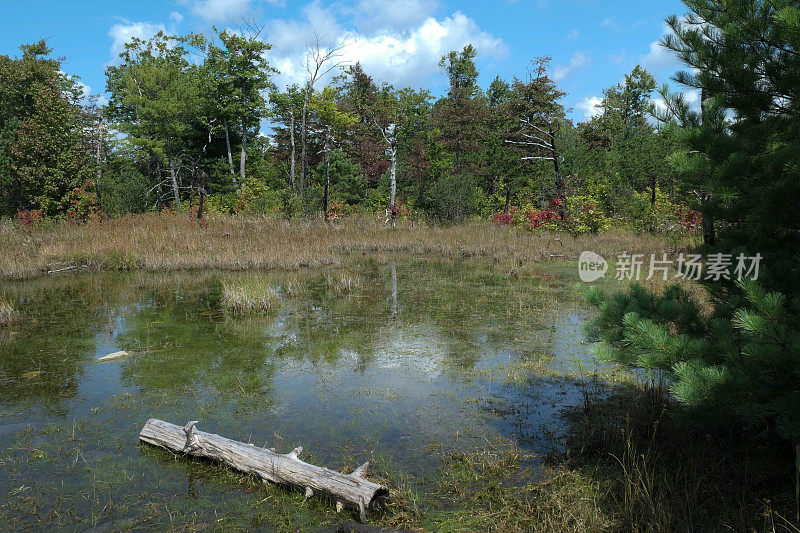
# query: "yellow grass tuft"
249,295
8,314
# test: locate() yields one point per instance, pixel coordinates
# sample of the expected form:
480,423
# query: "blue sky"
593,43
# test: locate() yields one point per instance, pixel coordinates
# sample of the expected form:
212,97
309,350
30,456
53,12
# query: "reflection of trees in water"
433,315
55,337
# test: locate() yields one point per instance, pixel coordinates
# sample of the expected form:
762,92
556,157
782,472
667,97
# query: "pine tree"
742,362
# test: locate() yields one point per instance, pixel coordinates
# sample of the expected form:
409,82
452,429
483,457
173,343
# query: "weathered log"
352,489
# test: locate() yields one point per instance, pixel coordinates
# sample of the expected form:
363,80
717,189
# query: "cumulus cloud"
376,15
401,57
223,10
123,32
578,61
692,97
659,59
590,106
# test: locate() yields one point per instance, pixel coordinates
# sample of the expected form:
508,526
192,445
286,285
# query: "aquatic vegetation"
449,377
250,295
8,313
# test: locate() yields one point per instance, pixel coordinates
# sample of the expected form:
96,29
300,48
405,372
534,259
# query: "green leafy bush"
124,191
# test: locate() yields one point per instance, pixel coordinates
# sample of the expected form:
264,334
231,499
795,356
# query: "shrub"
453,198
83,204
124,191
584,214
30,217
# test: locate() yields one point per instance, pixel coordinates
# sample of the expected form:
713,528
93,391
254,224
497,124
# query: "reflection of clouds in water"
570,347
282,330
417,350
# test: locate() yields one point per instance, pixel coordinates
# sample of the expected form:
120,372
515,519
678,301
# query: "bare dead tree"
321,58
389,134
542,138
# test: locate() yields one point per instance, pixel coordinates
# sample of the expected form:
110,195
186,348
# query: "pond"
399,363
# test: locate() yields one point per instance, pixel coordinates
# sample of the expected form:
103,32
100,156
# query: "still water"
398,363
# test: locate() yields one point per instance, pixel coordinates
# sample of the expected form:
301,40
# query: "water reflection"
378,358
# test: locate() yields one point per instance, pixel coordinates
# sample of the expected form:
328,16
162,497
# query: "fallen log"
346,489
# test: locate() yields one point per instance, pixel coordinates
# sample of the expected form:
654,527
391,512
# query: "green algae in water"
403,364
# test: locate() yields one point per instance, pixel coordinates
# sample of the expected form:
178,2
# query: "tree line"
185,114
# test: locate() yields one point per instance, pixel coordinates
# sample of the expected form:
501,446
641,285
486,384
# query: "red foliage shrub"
30,217
690,219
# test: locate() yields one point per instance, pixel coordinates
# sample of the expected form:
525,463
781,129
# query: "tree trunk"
559,179
351,489
709,235
393,180
176,193
99,152
291,137
202,195
230,154
303,124
653,186
243,156
327,173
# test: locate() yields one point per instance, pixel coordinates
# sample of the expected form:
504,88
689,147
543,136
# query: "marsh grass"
249,294
8,313
157,242
657,472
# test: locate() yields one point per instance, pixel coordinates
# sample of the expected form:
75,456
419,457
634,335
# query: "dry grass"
156,242
246,295
8,313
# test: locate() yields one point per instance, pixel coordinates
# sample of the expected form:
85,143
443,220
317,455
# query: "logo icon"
591,266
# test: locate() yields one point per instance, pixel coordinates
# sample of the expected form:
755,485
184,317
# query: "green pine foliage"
723,367
738,363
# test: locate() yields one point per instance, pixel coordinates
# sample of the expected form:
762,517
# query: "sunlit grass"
156,242
249,294
8,313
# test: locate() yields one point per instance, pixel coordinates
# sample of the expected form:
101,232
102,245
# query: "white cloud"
659,59
610,23
124,32
223,10
176,17
691,96
578,61
408,57
376,15
573,35
619,58
590,106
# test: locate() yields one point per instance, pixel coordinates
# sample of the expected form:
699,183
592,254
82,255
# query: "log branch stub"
353,490
294,454
361,471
